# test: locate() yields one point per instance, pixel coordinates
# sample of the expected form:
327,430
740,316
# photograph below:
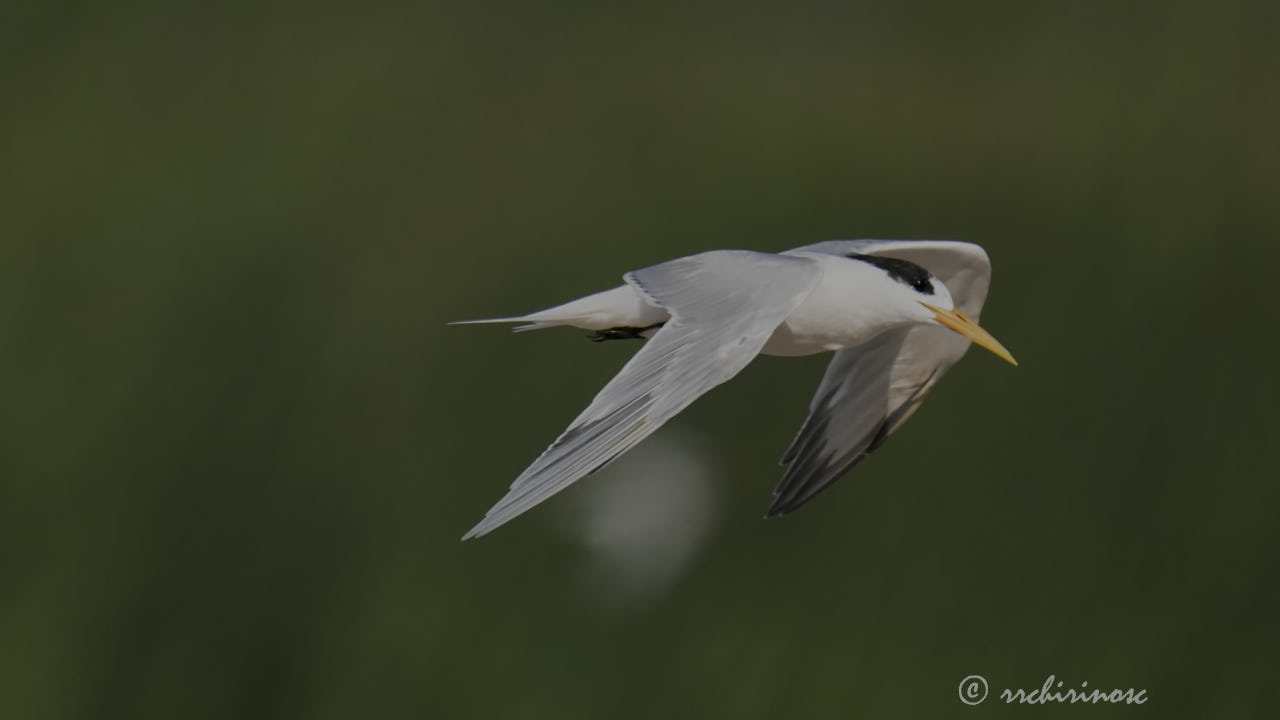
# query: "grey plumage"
709,339
878,304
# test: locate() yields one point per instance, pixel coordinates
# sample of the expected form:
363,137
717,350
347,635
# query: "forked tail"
528,320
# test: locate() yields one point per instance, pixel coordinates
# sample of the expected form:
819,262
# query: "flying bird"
897,314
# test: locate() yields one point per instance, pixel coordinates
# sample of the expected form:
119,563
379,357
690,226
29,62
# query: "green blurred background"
238,443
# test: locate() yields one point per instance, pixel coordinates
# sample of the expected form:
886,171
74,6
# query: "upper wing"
869,390
963,266
724,305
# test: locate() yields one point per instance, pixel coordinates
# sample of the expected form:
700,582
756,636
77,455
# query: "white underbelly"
790,341
832,317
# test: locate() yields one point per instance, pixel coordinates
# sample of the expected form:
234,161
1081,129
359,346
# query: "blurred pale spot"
643,520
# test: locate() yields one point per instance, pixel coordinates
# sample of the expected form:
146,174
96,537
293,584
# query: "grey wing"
724,305
869,390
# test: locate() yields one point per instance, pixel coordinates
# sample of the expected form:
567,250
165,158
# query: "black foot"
622,333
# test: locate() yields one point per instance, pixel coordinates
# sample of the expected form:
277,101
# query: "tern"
897,314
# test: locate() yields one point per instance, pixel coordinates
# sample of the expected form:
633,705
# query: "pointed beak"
961,323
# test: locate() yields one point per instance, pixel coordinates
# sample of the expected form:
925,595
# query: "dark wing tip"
796,488
813,467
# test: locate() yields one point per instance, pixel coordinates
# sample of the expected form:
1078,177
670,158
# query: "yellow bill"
961,323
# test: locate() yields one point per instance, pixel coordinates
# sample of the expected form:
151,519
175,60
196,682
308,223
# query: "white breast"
846,308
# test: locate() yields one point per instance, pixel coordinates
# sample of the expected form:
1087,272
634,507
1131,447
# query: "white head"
917,295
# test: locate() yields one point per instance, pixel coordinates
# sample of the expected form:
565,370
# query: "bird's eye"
923,286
